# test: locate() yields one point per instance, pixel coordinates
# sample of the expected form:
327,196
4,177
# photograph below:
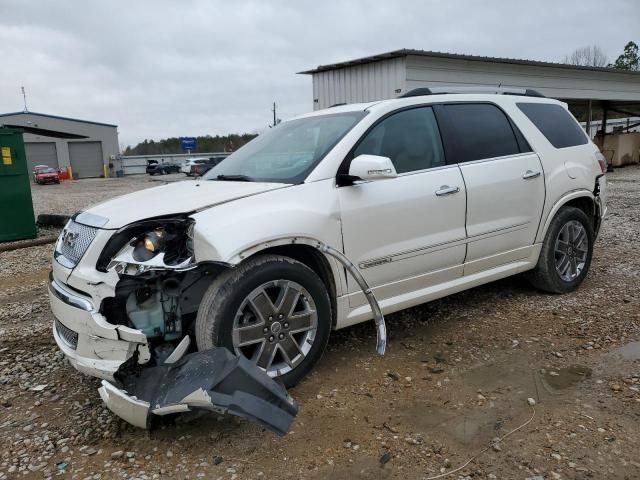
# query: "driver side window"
410,138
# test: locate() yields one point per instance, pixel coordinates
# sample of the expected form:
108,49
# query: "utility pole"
24,98
274,114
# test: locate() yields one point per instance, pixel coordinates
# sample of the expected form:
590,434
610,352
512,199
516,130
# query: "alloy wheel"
571,249
275,326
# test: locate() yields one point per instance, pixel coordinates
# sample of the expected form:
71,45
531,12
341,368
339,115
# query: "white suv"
421,196
187,164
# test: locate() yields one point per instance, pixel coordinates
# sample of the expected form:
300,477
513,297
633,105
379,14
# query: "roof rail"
416,92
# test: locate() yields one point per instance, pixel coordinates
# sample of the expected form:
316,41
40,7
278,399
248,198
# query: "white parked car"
424,196
187,164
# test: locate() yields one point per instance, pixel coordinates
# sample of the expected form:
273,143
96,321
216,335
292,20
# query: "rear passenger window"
555,123
410,138
478,131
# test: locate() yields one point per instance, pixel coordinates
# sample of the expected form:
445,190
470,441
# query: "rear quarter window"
555,123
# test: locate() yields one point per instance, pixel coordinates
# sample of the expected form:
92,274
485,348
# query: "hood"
174,198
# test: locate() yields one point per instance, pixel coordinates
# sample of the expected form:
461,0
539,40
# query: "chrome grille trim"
73,243
68,336
68,297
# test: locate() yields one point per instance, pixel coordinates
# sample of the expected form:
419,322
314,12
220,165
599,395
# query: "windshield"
48,170
286,153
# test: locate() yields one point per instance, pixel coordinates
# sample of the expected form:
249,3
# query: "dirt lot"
69,197
457,376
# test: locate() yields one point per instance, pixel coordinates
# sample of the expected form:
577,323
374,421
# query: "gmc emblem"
69,238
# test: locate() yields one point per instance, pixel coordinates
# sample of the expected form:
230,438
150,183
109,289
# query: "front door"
407,232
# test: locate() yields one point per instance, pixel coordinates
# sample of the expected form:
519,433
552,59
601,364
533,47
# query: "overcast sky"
177,68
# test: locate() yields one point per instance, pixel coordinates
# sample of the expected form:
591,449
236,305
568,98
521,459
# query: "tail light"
602,161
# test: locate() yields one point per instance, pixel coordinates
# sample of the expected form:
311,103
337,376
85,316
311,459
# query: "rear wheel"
566,252
273,310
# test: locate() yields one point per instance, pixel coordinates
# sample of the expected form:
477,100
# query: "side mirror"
372,167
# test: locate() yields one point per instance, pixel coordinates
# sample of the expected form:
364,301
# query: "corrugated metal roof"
456,56
57,117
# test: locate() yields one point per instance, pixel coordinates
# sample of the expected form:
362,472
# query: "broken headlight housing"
154,244
150,245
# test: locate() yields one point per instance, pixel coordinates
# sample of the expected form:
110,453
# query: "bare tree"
589,56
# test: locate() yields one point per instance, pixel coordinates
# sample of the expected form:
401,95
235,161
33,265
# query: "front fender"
223,232
234,240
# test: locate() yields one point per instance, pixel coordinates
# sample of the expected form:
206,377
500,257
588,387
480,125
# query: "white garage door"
41,154
86,159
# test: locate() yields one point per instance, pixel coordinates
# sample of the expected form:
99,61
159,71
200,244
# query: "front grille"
74,241
68,336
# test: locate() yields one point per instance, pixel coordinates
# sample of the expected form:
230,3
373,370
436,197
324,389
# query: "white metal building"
586,89
85,146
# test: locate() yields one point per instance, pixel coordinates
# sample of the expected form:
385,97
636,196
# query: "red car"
47,175
36,169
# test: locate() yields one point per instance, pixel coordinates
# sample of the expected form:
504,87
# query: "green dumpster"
17,220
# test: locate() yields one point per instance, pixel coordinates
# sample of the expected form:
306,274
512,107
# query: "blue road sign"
188,143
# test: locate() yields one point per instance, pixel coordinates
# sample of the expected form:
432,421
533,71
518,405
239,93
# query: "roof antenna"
24,97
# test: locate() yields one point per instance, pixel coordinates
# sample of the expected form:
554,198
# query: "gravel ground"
69,197
456,379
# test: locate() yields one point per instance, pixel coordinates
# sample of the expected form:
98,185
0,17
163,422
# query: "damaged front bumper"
91,344
213,380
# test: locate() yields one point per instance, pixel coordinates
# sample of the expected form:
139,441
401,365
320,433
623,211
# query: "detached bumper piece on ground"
214,380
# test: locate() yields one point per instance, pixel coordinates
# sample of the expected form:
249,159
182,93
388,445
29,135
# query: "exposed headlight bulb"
150,245
154,241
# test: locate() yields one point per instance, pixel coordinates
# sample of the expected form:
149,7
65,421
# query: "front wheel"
273,310
566,252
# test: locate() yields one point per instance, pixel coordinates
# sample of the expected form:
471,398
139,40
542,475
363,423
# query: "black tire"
214,322
545,276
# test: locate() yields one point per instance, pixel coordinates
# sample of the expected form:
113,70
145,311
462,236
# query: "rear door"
504,181
405,233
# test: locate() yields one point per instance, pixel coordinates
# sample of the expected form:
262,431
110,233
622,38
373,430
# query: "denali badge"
375,263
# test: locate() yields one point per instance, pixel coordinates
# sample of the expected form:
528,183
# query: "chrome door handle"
447,190
529,174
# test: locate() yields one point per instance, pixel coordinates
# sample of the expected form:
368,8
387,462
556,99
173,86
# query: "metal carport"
591,92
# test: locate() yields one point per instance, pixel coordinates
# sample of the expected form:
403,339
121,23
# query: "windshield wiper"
234,178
